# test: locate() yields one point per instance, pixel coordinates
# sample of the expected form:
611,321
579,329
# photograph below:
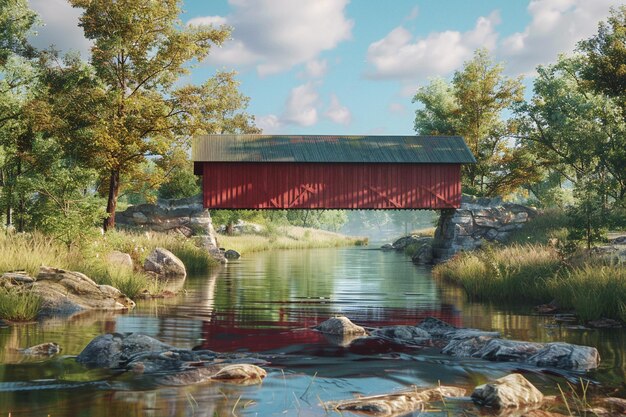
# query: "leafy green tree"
180,181
140,51
16,22
576,132
472,106
605,68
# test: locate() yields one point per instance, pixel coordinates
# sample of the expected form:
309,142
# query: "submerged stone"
397,403
44,349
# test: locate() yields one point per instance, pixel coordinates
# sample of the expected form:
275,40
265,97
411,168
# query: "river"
266,303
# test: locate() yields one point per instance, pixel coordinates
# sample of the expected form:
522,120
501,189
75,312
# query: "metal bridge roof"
320,149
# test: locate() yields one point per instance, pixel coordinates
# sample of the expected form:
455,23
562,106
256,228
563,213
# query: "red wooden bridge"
330,172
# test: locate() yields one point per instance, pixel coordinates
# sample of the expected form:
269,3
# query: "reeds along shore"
534,273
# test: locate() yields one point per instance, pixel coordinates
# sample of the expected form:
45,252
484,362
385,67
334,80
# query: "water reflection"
267,302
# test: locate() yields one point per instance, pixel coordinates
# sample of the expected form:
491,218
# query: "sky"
352,66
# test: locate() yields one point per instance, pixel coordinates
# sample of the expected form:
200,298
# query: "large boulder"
116,350
340,325
232,254
164,264
511,391
171,366
67,292
121,259
566,356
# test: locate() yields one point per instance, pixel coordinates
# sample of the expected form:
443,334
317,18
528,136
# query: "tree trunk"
114,188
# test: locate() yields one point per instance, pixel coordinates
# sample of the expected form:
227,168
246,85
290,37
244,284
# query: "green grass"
28,252
592,291
18,305
532,274
506,274
287,237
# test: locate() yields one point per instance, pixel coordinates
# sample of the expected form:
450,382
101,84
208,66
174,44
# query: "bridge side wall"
288,185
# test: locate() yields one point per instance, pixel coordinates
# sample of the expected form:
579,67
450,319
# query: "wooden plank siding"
290,185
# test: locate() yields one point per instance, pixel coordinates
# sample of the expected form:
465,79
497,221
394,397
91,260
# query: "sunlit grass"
592,291
287,237
28,252
592,287
19,305
517,273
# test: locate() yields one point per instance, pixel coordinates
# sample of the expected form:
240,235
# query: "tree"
16,22
472,106
605,69
140,50
576,132
18,83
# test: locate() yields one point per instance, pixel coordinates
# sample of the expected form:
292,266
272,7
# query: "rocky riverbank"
476,222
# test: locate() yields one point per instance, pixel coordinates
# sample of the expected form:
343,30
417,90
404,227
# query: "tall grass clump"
19,305
592,291
506,274
27,252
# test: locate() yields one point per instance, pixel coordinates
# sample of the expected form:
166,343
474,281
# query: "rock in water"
232,254
165,264
397,403
340,326
240,371
511,391
67,292
116,350
44,349
566,356
436,328
403,334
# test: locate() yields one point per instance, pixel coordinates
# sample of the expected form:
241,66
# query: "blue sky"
351,67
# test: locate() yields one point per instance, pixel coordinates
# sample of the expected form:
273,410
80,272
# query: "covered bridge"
330,172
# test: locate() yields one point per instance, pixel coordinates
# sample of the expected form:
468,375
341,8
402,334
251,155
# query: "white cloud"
61,27
399,56
397,108
301,106
338,113
269,123
556,26
275,35
316,68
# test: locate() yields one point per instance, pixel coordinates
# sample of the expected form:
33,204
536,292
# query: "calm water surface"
265,304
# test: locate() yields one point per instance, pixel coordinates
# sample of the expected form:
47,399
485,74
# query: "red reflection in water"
228,332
